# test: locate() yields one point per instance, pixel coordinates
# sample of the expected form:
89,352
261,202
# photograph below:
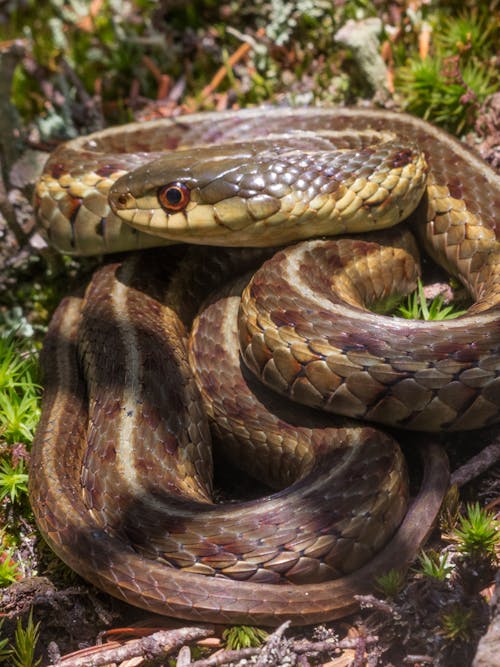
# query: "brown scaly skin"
96,523
424,376
112,532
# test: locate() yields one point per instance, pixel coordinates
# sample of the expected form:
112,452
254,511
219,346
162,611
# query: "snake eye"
173,196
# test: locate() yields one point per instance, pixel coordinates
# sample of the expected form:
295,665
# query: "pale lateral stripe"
128,426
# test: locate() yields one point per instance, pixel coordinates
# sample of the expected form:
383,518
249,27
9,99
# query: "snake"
280,364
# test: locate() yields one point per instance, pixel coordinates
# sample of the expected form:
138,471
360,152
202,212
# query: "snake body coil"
146,531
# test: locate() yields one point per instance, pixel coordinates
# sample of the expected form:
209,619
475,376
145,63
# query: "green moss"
449,86
19,392
390,583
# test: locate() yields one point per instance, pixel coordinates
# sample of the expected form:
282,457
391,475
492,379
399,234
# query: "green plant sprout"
13,480
9,569
444,93
243,636
5,651
13,366
19,392
19,415
25,641
416,307
21,653
434,565
478,535
468,33
390,583
457,623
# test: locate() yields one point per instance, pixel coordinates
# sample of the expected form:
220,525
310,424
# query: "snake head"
269,192
196,195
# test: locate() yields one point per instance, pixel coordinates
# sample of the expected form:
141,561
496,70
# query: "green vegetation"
475,541
477,535
21,652
25,641
19,413
13,480
418,307
435,565
457,624
449,85
9,569
106,47
243,636
390,583
291,51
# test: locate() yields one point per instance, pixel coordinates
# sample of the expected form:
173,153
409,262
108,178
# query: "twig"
92,105
359,653
300,647
370,601
224,657
412,659
477,464
164,81
424,40
158,644
273,644
184,657
221,73
305,646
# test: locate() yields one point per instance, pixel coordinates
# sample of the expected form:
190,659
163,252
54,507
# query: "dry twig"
370,601
158,644
221,73
275,647
477,464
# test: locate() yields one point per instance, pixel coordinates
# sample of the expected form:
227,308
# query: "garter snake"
102,495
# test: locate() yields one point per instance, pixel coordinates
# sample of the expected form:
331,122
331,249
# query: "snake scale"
121,465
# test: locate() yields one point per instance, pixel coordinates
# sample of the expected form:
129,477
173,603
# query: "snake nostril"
122,199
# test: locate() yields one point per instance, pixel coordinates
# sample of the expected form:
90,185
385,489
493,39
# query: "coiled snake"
120,476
